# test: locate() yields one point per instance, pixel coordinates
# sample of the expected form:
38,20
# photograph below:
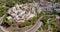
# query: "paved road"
1,30
36,26
1,20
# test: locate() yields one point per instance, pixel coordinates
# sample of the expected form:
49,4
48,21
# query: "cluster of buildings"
49,6
23,12
19,14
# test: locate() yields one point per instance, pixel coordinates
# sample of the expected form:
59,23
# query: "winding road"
1,20
1,30
36,26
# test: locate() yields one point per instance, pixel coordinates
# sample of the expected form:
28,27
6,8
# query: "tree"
55,1
10,3
3,10
59,14
9,22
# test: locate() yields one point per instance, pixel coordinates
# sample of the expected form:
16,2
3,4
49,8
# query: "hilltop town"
30,16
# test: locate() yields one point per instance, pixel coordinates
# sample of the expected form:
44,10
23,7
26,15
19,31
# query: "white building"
57,17
19,19
9,17
17,7
39,10
30,16
21,13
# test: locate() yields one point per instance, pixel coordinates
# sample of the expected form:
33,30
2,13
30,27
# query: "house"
21,5
25,7
19,19
57,7
57,20
39,10
9,17
21,13
13,8
31,15
58,10
57,17
17,7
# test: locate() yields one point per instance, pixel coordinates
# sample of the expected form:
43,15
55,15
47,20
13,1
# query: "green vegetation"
56,1
47,12
3,10
58,14
9,22
45,25
33,20
54,27
28,22
10,3
25,24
